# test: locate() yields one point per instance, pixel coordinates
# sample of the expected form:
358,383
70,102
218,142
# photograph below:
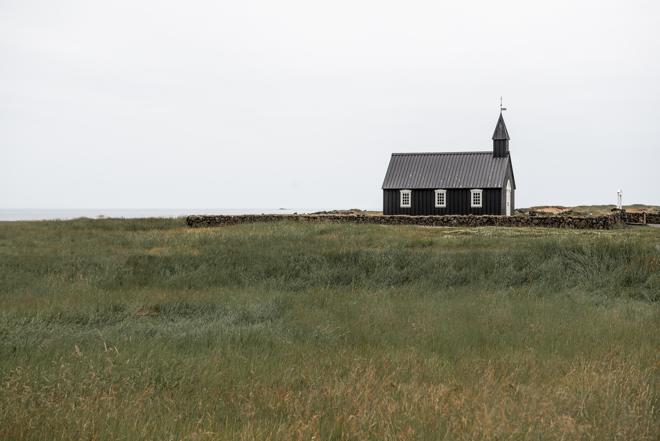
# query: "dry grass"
592,210
129,330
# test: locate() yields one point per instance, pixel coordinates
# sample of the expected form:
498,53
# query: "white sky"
265,104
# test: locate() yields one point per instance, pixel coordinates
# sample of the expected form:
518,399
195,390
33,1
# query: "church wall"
458,202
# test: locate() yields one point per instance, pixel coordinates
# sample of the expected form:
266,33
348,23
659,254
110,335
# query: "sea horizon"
35,214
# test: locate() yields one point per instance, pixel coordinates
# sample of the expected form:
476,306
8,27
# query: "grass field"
144,329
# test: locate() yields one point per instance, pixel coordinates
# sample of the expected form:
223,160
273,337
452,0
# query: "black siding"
500,148
458,202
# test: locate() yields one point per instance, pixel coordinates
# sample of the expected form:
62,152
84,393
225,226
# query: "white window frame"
444,198
405,192
474,192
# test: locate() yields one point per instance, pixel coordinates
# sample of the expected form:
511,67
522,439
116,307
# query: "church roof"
500,130
446,170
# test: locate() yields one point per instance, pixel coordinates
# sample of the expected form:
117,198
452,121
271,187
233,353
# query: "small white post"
619,199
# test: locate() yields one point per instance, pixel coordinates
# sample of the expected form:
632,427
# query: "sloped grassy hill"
590,210
144,329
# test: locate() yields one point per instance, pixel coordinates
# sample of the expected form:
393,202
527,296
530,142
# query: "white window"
405,198
475,198
440,198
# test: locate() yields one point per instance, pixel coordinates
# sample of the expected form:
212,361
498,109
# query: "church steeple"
500,139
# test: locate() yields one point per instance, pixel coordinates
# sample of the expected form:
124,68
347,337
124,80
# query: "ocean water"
99,213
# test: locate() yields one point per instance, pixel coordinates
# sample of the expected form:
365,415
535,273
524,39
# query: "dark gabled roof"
445,170
500,130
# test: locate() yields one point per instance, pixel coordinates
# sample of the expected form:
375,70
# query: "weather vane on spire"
501,108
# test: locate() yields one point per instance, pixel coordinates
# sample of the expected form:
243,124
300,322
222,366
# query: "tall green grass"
294,257
145,329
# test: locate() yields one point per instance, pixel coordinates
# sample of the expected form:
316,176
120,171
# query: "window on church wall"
405,198
476,198
440,198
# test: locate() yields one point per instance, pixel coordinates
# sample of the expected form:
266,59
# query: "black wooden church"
452,183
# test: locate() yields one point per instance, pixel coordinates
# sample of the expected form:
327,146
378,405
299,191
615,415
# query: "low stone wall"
591,222
641,218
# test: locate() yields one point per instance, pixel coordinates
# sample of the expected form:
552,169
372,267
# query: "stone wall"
641,218
590,222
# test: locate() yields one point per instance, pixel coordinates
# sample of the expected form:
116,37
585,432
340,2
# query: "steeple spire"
500,130
501,137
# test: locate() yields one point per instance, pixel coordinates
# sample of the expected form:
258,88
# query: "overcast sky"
266,104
